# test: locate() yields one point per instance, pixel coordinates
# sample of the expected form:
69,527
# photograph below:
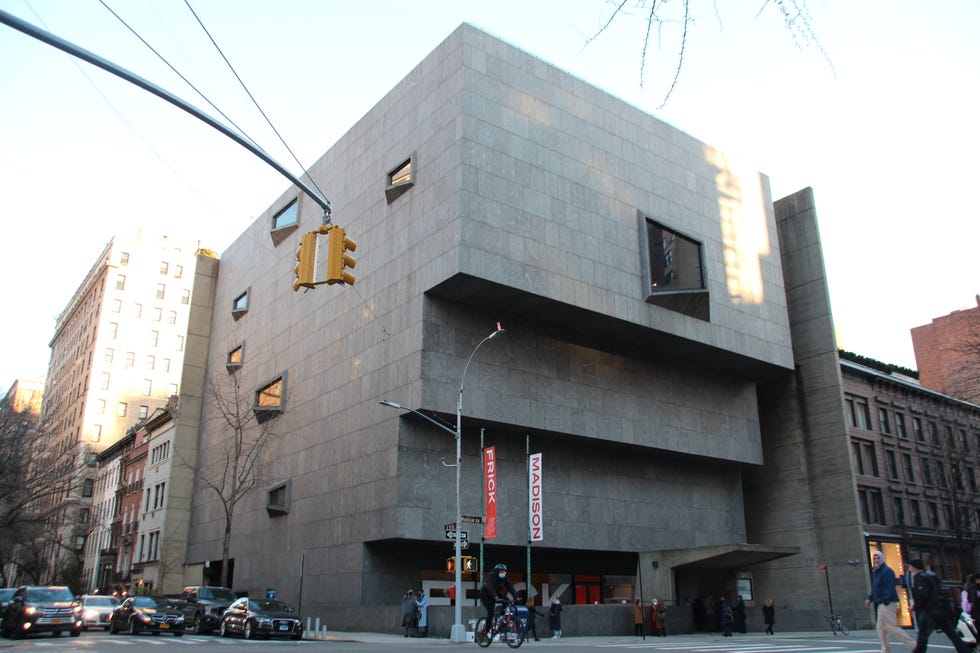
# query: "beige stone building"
118,353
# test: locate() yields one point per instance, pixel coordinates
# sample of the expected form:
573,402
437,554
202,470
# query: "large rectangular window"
884,423
674,271
872,505
857,412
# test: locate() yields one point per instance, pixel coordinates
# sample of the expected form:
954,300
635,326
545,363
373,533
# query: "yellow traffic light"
338,260
305,261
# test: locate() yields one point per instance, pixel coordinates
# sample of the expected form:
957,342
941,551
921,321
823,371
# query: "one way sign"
464,536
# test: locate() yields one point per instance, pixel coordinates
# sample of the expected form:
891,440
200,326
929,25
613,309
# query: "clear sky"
887,136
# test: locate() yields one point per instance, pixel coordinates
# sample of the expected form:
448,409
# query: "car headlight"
145,618
30,610
265,622
91,614
180,619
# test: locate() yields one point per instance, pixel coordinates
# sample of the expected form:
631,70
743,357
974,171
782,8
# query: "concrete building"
665,320
120,350
947,353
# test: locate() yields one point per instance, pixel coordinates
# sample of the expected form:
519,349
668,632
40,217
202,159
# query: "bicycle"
837,625
506,623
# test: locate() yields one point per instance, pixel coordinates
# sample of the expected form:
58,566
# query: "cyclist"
496,585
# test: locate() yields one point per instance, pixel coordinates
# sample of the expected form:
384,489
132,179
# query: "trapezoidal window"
285,222
235,358
270,399
239,305
400,179
277,498
674,271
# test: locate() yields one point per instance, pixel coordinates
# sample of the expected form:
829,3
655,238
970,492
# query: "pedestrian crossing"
851,645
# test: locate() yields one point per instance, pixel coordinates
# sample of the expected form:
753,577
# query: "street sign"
464,544
471,519
464,536
451,526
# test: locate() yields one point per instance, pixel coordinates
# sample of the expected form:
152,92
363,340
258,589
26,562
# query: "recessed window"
400,179
123,258
116,306
110,353
144,411
287,217
239,305
185,297
172,317
137,310
121,408
161,290
235,358
277,498
674,272
147,387
120,282
285,222
130,358
270,398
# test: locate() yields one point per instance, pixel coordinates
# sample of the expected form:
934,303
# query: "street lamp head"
496,333
392,404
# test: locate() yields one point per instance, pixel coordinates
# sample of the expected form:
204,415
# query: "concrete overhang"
577,324
720,557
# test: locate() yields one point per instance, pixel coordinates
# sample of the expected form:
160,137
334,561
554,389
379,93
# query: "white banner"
534,513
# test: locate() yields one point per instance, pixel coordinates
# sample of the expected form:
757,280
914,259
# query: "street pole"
458,632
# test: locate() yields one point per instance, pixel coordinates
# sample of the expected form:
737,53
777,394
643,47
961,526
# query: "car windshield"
150,602
49,595
215,594
6,593
270,606
101,601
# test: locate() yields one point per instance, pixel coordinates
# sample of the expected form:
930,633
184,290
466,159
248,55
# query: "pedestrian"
554,618
932,609
408,611
740,614
422,613
653,617
532,614
697,611
884,598
769,614
638,618
969,595
974,593
660,618
726,616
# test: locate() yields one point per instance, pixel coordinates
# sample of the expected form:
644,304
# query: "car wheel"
134,627
223,629
249,630
196,626
297,635
177,633
76,632
56,633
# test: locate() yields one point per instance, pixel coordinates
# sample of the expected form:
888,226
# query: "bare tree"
659,14
36,512
230,471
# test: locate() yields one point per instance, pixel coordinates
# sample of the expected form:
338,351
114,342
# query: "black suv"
40,609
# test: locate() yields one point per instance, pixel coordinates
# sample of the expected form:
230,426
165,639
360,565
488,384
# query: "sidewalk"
402,641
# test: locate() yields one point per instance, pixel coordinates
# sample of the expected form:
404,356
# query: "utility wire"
128,124
178,73
251,97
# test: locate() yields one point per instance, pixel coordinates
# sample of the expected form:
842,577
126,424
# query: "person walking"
769,614
726,616
660,618
638,618
740,616
884,598
931,608
422,612
554,618
408,611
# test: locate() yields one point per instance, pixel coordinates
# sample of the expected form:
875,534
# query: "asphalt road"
337,642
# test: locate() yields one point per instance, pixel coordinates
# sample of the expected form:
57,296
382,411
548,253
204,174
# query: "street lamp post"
458,632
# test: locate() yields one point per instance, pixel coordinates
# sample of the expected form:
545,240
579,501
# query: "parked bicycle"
837,625
506,624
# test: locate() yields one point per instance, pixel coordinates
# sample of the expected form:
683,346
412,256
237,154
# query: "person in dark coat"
408,612
496,585
932,611
726,615
554,617
740,615
638,619
769,614
532,613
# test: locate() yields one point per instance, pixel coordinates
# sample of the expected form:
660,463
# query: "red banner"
490,492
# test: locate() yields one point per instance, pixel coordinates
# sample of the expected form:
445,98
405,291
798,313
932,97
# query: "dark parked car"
37,609
253,618
6,593
147,614
96,609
